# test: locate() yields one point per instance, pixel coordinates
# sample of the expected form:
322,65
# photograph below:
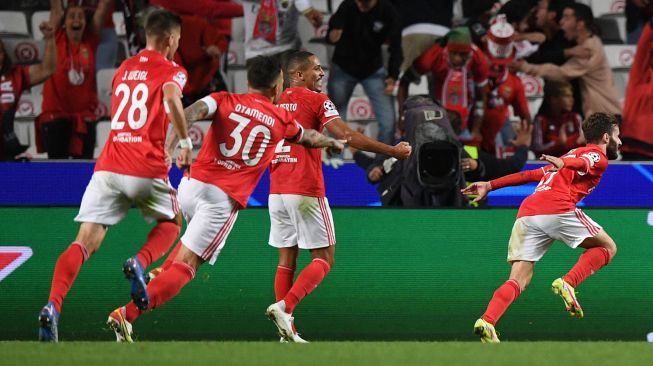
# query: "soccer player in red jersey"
132,168
300,216
239,146
550,214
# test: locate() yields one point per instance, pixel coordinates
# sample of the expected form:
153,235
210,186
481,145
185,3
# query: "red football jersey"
139,122
59,94
240,143
296,169
560,191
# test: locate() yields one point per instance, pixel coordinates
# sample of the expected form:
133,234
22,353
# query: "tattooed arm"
313,139
198,111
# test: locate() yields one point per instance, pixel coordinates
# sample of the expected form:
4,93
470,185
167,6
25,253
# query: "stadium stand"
37,18
13,23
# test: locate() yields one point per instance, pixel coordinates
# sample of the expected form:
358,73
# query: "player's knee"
612,250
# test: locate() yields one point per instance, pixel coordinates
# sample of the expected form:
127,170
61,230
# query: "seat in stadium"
104,79
609,29
620,56
238,80
238,29
421,88
37,18
236,55
119,23
603,7
620,77
13,23
29,106
24,50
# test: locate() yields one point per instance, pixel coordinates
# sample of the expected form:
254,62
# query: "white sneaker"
277,313
298,339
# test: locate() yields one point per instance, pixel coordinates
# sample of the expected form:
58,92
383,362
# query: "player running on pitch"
300,216
240,143
132,167
550,214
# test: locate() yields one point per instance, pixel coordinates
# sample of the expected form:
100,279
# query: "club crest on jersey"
180,78
329,109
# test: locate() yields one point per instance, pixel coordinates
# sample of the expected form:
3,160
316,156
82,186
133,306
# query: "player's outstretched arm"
359,141
313,139
480,189
517,179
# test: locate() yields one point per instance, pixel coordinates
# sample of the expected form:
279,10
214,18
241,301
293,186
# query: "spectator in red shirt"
66,126
556,128
13,81
505,88
460,75
199,51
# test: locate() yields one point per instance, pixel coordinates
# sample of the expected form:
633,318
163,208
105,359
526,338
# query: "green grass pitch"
327,353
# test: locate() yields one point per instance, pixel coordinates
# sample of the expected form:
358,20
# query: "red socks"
588,263
306,282
163,288
502,298
65,272
160,239
283,281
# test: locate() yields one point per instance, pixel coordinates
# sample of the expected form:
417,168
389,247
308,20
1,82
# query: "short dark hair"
597,124
583,13
516,10
297,60
263,72
558,6
554,88
161,22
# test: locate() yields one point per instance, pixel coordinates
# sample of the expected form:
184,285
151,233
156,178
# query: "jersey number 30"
137,107
236,135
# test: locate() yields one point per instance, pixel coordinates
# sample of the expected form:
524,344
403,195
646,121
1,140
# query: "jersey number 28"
137,112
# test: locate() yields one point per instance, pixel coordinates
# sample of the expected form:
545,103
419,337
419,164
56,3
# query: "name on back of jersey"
134,75
255,113
290,107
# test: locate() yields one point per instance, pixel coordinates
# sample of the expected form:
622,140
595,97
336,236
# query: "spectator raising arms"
15,79
596,83
66,126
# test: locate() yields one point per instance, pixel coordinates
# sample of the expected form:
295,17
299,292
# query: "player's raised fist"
47,29
336,147
402,150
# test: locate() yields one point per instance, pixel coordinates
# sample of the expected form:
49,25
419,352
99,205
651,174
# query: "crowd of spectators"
474,54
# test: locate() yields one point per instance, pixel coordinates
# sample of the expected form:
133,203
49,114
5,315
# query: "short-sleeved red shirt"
559,191
297,169
139,122
240,143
